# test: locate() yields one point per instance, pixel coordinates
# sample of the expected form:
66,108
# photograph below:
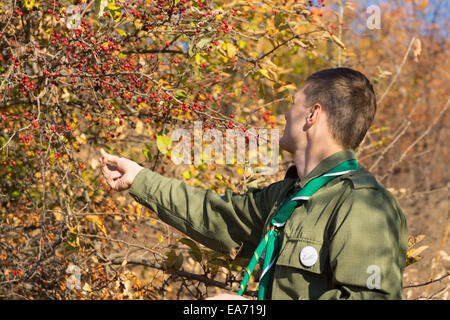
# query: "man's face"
294,137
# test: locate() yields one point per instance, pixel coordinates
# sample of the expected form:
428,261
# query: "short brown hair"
348,99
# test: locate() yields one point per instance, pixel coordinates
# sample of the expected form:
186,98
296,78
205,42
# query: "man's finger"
109,157
112,177
110,174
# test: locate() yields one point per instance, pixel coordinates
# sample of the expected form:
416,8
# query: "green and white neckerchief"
269,243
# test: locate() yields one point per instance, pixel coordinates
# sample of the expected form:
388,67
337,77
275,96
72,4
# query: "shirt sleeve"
367,251
228,223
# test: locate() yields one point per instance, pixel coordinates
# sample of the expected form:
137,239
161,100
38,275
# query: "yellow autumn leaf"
230,49
138,24
29,4
288,86
424,4
98,222
413,240
187,174
57,213
198,58
120,32
415,252
265,73
81,138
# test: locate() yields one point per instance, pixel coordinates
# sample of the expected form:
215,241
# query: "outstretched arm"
229,223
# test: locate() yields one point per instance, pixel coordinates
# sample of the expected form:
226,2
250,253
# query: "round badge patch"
308,256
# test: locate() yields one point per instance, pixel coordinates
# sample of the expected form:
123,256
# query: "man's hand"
118,171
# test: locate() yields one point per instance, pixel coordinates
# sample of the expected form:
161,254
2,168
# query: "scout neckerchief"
270,243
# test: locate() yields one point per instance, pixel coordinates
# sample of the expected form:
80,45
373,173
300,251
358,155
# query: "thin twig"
385,150
120,241
425,193
394,79
180,273
444,239
428,282
423,135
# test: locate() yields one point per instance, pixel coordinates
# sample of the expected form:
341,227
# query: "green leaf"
147,154
199,44
99,7
181,94
15,195
173,261
220,263
202,166
195,252
279,19
203,42
164,143
2,141
191,49
187,174
114,10
261,89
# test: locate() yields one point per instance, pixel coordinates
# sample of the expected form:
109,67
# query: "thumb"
109,157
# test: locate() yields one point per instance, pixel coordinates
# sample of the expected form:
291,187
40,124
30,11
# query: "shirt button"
308,256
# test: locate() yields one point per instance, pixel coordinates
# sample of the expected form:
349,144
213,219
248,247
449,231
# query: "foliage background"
132,71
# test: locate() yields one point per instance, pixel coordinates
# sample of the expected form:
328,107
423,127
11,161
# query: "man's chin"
285,146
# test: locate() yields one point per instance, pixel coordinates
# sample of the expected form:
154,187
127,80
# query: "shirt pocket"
304,254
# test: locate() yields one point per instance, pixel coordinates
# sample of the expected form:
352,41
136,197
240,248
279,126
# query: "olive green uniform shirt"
355,225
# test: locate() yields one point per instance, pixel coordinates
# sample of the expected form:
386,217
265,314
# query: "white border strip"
278,225
336,173
301,198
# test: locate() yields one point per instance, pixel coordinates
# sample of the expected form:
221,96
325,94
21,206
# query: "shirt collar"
324,166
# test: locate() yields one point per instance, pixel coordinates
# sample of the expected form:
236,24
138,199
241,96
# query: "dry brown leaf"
338,41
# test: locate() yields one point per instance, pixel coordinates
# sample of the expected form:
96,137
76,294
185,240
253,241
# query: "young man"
345,240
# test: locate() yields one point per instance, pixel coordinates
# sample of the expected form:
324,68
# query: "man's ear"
314,115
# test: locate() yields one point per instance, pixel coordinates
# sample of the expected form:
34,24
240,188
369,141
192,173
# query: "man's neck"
307,160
